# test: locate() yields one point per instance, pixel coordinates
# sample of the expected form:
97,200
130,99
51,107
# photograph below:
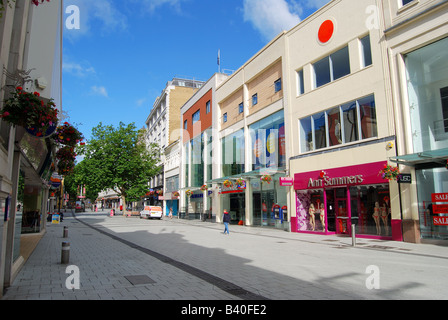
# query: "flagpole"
219,61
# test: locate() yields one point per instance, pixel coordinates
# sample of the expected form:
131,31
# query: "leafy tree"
118,159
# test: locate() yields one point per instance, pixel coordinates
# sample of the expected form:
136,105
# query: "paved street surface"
122,258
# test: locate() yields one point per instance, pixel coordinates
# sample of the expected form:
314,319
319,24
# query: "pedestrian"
226,221
171,213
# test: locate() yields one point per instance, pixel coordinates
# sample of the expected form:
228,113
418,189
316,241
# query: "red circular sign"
326,31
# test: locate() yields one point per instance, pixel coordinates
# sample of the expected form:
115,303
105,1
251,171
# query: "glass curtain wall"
233,148
427,78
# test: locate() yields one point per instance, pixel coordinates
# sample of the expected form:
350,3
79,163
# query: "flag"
219,57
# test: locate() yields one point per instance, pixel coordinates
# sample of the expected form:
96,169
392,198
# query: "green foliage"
118,158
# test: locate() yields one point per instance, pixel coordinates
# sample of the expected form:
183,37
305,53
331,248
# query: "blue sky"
125,51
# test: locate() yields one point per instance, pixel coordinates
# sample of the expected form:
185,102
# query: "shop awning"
248,175
440,155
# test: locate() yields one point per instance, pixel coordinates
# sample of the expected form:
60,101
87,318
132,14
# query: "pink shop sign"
344,176
286,182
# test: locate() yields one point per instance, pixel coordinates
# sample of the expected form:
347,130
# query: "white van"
150,212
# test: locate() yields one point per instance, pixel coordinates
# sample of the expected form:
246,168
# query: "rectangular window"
367,117
185,124
320,130
332,67
334,126
278,85
240,108
339,125
366,51
306,135
300,84
350,120
196,116
254,99
444,97
224,117
207,107
405,2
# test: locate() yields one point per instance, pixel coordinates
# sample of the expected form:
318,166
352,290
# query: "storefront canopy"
249,175
440,155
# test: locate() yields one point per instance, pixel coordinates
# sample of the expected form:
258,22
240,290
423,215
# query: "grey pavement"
122,258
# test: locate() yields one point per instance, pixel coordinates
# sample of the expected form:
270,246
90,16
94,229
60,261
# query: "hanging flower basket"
159,192
65,167
176,194
67,135
227,183
66,160
389,172
266,178
240,183
204,187
28,110
188,193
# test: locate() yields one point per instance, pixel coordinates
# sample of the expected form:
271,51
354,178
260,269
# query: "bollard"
353,235
65,253
65,234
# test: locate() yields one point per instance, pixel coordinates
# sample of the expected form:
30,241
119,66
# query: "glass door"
341,211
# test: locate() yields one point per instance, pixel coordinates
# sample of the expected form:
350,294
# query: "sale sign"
439,197
440,208
440,221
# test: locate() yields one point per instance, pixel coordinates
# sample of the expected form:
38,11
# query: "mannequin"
311,211
322,216
376,217
384,215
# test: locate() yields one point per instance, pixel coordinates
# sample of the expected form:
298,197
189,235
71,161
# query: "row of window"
197,115
350,122
335,66
277,88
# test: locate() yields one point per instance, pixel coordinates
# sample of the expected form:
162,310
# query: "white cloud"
98,16
152,5
270,17
77,69
100,91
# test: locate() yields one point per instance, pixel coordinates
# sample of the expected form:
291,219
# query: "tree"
118,159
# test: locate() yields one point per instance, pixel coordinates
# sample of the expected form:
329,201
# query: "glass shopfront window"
268,142
335,209
433,222
427,86
233,148
269,203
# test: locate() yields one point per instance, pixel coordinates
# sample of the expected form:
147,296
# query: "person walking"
226,221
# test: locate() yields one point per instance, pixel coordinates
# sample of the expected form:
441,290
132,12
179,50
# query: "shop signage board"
404,178
439,197
440,208
286,182
337,177
440,221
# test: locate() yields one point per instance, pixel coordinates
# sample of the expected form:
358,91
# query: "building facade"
342,127
417,37
251,145
163,128
31,57
198,119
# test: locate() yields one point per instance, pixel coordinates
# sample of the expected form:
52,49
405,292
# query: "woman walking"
226,221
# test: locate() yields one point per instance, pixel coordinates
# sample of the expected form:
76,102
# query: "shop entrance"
338,217
262,206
